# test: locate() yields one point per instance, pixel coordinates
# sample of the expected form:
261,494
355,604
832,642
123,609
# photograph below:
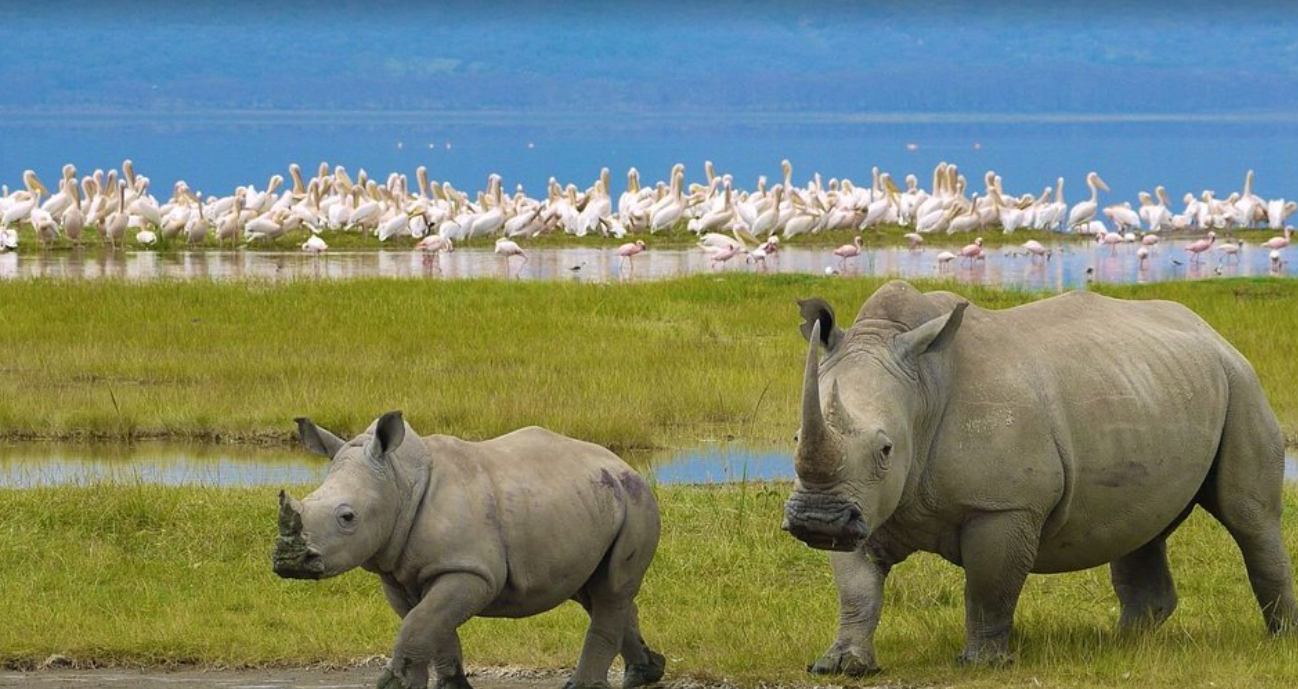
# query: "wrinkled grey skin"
1052,437
510,527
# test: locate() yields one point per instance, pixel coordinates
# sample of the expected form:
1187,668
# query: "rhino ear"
389,431
933,336
815,310
317,439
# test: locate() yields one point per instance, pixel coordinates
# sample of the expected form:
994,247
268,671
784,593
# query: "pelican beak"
1100,183
34,184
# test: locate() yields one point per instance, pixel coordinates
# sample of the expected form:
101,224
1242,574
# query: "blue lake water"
214,152
26,465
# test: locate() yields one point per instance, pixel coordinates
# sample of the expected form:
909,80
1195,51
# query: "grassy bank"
144,574
660,364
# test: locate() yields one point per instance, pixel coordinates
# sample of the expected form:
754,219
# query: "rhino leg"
1245,493
997,551
608,625
643,665
1144,586
609,597
428,634
859,578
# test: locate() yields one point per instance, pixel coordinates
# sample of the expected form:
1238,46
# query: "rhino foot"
843,661
573,685
458,681
986,658
391,679
644,674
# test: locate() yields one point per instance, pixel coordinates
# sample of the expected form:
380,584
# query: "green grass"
143,574
659,364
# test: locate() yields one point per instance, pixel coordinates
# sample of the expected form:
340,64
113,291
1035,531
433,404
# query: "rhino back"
1103,414
536,509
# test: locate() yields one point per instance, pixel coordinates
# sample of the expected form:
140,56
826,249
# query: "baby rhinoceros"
509,527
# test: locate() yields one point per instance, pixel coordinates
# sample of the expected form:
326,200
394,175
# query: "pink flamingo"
1037,249
1201,246
1149,239
973,252
1142,253
510,249
720,256
435,244
944,259
915,239
1279,242
627,252
1230,250
1113,239
847,251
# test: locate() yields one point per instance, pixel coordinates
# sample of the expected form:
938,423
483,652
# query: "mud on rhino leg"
428,635
859,579
1143,582
1245,493
997,552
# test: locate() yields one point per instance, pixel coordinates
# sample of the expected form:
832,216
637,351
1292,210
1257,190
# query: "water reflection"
1072,265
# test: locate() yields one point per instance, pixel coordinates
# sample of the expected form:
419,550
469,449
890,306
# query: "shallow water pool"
1071,265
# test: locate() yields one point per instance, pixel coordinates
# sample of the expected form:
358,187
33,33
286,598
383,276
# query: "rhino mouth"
825,522
297,563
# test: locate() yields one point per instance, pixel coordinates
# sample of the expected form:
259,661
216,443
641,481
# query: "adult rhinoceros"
508,527
1052,437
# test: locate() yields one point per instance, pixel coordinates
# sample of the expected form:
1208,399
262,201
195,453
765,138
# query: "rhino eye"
887,449
346,517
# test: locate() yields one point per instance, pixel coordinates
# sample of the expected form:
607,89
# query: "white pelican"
1084,212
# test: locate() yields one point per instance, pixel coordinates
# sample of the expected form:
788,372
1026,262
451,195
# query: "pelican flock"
117,207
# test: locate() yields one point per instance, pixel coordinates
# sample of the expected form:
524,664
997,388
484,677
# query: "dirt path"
270,678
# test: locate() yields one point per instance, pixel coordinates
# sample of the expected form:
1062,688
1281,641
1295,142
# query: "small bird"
146,238
1276,262
577,268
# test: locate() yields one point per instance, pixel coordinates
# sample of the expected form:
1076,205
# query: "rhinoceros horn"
292,557
818,455
290,516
